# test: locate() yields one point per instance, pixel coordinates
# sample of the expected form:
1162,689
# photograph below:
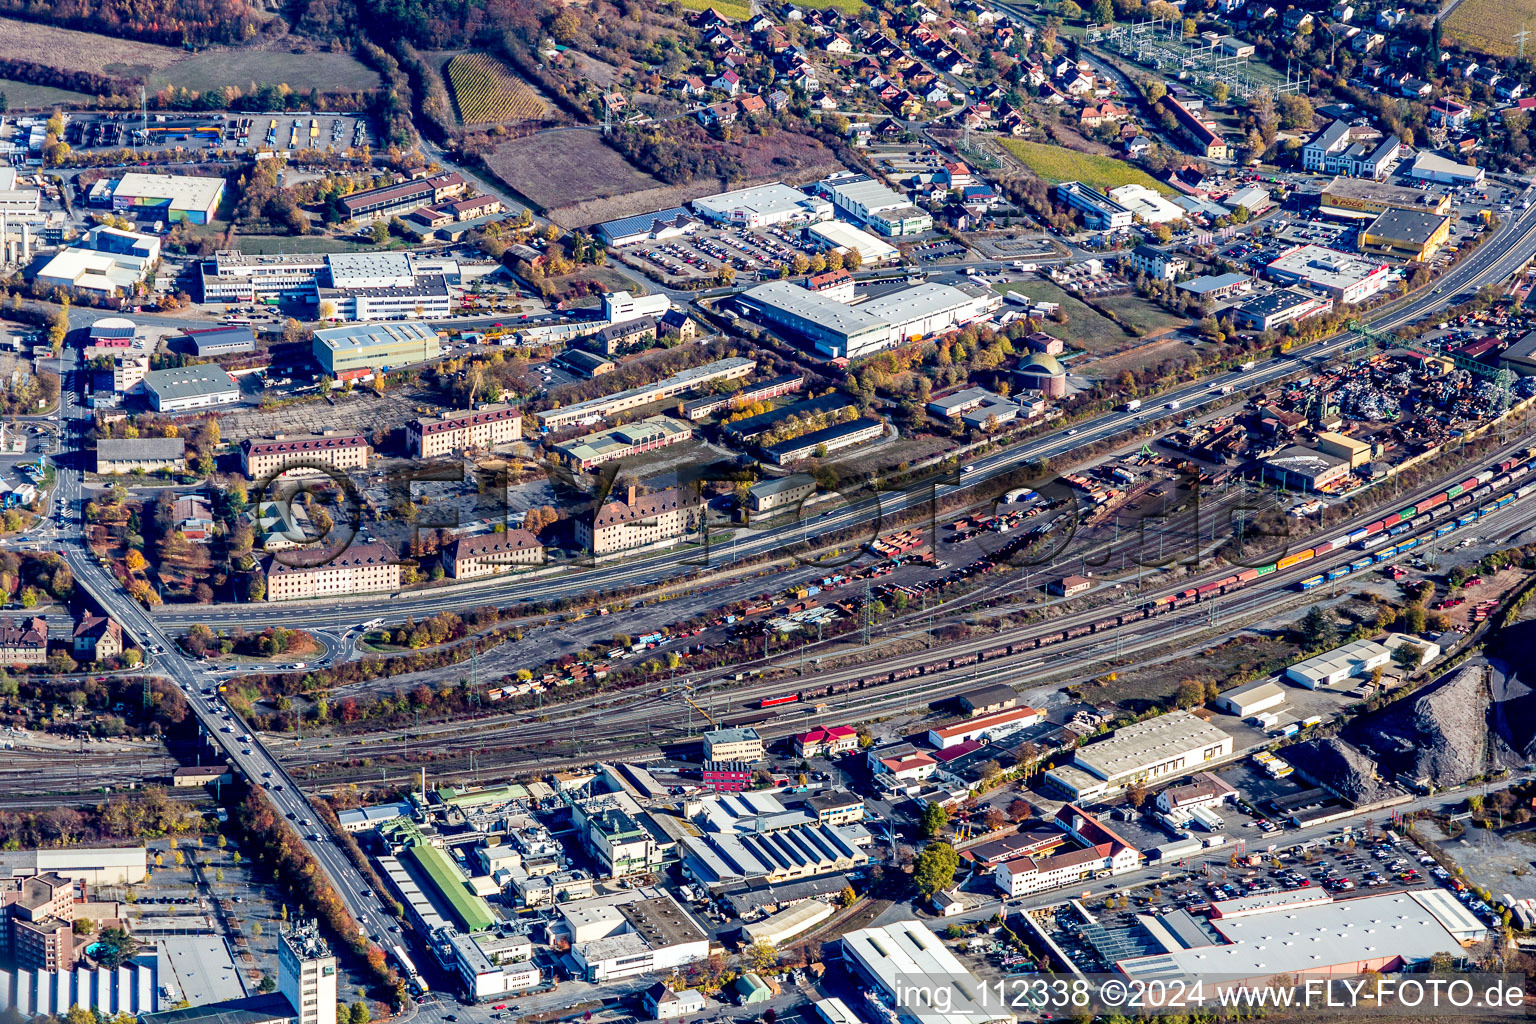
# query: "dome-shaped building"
1043,373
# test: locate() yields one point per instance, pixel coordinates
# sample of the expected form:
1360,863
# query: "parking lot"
755,252
934,252
219,132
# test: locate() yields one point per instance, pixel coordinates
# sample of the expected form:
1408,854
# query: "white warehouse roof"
907,958
842,235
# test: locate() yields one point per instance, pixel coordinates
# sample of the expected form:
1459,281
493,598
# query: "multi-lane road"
224,730
1498,257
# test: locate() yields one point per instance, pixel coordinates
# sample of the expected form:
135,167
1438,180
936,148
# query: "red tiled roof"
465,419
301,445
617,512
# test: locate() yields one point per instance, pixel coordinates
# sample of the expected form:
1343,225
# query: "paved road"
243,749
1496,259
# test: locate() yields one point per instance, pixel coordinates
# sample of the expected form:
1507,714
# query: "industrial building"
1434,167
180,388
103,274
984,727
889,957
884,211
840,236
780,855
1146,204
1251,699
842,331
1363,199
697,409
1158,748
171,197
596,409
621,442
1411,235
93,865
1275,309
1100,212
1301,934
1334,151
763,206
360,286
1351,661
140,454
658,227
826,440
632,932
1342,277
1216,287
221,341
1306,469
1053,862
1520,357
480,429
374,347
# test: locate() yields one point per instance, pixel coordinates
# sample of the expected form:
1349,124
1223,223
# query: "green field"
1140,314
1053,163
1085,328
725,8
22,95
214,69
269,245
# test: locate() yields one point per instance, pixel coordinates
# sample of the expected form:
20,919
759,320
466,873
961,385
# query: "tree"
360,1013
934,869
762,956
934,820
136,562
1220,91
1071,11
1103,12
268,984
847,897
1318,627
1408,656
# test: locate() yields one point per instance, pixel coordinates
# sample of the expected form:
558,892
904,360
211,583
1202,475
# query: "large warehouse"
912,972
190,387
1302,935
763,206
1158,748
841,331
1412,235
172,196
374,346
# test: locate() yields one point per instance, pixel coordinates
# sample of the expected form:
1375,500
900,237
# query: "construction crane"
707,716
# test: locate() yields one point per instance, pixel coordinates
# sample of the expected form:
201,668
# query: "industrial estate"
858,512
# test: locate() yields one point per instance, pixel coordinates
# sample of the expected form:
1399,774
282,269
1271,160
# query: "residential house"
98,638
728,83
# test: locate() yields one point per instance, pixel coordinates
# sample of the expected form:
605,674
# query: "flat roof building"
1348,662
1278,308
1303,936
986,726
1412,235
171,196
1100,212
763,206
1342,277
1147,751
889,957
374,346
842,331
658,226
222,341
1215,287
843,237
1363,199
202,386
1434,167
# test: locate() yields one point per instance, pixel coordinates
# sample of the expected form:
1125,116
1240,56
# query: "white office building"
306,974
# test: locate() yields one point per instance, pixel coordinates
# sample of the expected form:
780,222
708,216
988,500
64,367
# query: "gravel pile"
1339,767
1443,735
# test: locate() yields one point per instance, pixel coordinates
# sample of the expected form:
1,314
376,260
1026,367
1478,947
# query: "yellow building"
1361,198
1411,235
1356,452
